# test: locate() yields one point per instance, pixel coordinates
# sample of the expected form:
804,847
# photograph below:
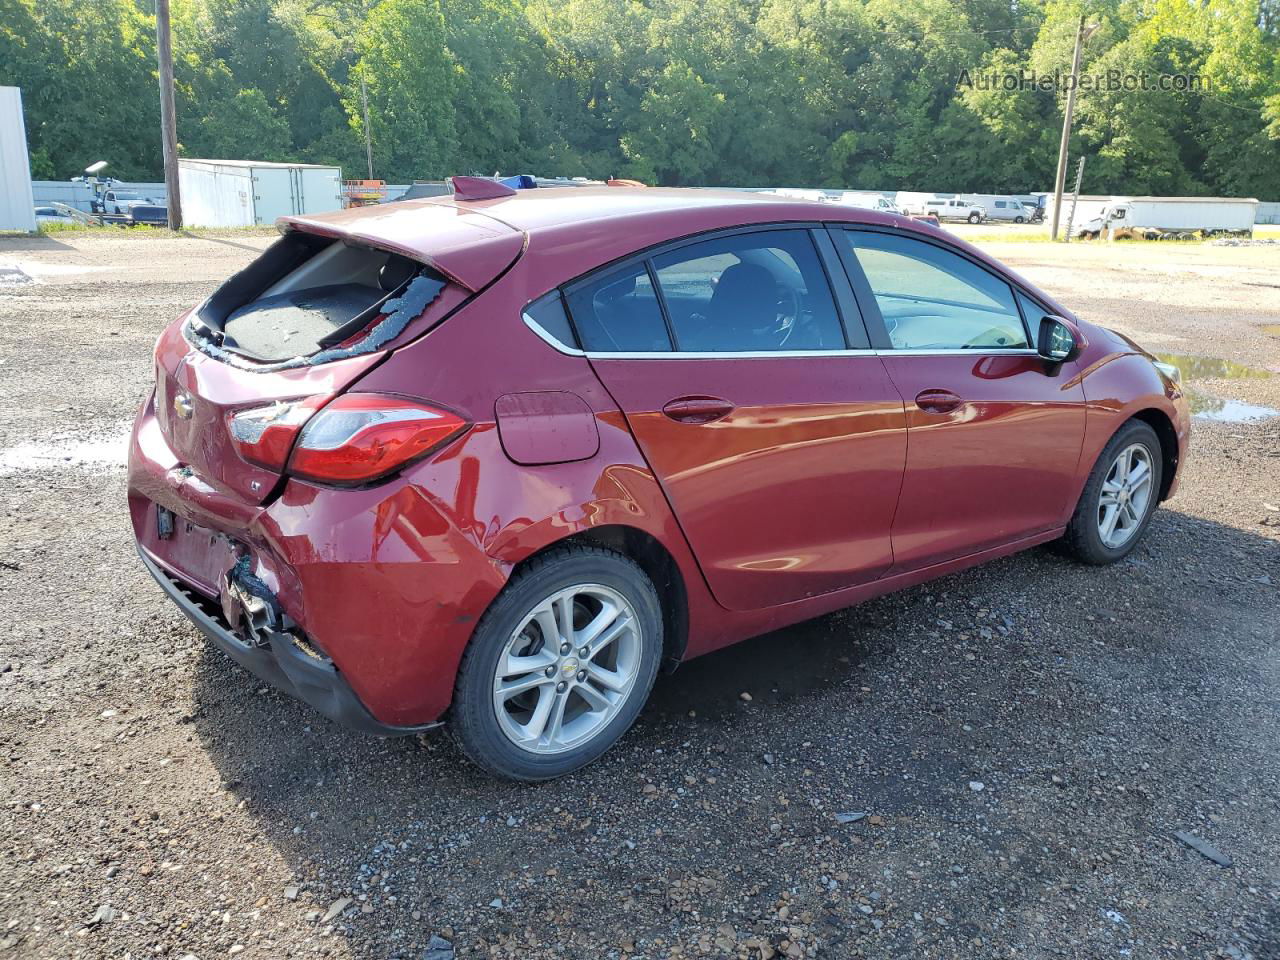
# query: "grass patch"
1003,236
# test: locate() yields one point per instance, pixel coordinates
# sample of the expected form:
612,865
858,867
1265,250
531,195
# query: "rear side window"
549,314
754,292
932,299
619,313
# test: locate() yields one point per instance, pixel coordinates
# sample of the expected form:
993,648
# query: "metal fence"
78,195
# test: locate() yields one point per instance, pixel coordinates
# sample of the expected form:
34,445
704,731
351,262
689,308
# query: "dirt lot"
1024,739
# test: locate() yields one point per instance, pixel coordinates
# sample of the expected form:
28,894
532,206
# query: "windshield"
128,196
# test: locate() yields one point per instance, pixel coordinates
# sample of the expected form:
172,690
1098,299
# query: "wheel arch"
1160,422
658,565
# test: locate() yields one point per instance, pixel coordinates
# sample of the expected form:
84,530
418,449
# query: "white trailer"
248,193
1157,216
17,208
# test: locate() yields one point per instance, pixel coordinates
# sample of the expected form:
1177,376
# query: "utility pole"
168,117
368,134
1082,34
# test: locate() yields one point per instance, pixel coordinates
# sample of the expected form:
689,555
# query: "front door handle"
697,409
937,401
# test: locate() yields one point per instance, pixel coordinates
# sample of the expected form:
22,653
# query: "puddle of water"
65,453
12,276
1227,411
1211,368
1208,407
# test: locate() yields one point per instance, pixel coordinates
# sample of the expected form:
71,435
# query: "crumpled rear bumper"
279,660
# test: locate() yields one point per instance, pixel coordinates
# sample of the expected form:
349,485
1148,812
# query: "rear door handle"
697,409
937,401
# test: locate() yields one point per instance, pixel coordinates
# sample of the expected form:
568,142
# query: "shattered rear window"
310,300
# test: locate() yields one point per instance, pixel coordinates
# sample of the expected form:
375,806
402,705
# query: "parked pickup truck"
955,210
130,207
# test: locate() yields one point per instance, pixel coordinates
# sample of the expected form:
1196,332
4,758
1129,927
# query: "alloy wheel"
567,669
1125,496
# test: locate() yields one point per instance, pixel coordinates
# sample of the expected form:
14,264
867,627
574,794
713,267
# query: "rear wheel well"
1163,426
659,566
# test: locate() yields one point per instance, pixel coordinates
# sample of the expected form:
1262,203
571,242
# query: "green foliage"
840,93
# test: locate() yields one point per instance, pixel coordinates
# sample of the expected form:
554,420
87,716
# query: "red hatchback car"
498,457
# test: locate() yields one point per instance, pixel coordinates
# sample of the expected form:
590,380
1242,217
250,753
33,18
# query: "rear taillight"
360,437
265,435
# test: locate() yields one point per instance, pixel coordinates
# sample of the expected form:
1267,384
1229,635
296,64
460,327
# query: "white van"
1001,207
1009,209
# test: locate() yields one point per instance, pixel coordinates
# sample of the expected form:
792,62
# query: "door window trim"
855,303
871,308
852,324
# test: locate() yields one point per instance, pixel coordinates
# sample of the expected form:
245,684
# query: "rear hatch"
237,377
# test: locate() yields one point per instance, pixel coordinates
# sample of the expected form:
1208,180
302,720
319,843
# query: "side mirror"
1059,340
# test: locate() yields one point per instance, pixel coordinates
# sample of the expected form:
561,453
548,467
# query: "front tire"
1119,497
559,666
975,218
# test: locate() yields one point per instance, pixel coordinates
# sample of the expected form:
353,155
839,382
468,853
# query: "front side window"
932,299
619,313
752,292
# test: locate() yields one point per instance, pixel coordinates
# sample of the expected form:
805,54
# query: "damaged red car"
495,459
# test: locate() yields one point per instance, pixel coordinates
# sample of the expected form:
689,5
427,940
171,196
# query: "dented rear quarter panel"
443,538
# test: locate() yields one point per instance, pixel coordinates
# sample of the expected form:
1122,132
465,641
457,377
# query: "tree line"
866,94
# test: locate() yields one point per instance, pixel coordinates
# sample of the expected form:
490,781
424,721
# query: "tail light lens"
360,437
265,435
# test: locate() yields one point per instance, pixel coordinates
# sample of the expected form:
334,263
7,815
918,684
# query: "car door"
994,432
749,385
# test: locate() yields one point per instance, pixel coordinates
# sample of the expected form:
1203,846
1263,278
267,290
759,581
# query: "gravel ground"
991,765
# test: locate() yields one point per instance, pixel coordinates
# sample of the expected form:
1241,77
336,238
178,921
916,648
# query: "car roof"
549,208
572,230
569,231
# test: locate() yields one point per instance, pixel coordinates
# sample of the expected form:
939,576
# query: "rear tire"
975,218
1119,498
559,666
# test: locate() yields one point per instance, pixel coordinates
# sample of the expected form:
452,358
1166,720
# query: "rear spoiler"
464,245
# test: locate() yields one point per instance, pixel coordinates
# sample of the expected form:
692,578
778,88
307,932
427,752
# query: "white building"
17,209
248,193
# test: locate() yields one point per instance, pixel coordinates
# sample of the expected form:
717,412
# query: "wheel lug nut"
551,671
561,687
584,652
582,675
565,648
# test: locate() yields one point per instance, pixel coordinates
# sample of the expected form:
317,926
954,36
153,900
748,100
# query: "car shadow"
1009,666
222,240
31,243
